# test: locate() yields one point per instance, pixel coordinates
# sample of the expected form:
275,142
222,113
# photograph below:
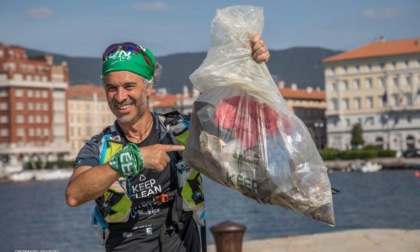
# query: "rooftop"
380,48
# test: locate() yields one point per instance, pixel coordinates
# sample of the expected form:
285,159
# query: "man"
144,154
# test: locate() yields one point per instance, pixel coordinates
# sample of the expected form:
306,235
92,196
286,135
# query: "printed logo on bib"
146,189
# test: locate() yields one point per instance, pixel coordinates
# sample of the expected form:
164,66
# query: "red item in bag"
247,118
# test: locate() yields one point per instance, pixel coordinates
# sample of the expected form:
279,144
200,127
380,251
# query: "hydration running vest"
115,205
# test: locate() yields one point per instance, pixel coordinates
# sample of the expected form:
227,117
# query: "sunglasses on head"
127,47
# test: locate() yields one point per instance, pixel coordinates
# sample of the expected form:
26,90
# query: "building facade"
33,108
309,105
376,85
88,114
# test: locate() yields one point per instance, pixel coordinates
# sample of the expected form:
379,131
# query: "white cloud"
39,13
379,14
155,6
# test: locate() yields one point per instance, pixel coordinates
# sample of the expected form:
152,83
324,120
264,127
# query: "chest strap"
156,199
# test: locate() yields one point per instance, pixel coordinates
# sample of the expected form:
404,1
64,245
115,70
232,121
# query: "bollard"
228,236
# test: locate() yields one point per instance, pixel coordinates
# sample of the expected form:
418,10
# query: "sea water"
34,215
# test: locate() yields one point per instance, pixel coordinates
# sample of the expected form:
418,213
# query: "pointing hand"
156,156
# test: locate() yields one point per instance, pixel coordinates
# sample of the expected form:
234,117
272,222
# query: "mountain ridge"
300,65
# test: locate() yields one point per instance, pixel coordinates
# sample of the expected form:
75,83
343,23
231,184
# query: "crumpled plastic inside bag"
242,133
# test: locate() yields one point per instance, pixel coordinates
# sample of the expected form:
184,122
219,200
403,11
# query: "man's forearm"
88,183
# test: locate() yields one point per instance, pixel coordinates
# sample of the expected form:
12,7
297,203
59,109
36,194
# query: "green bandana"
130,61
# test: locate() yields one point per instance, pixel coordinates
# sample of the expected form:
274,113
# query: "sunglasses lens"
110,49
128,47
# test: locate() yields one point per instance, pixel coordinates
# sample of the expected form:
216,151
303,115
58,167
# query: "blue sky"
85,28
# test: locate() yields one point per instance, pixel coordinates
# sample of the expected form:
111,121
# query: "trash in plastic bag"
242,133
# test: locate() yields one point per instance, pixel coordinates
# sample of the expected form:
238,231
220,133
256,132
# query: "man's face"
127,95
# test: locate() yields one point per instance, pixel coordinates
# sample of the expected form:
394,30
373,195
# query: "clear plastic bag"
242,133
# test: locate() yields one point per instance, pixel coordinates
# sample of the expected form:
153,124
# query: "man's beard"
141,110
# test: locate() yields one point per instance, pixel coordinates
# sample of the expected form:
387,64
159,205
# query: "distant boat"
367,166
370,167
55,174
22,176
40,175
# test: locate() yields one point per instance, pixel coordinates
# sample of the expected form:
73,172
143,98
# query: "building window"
3,92
396,99
19,93
20,132
45,106
395,81
382,82
4,119
44,94
356,84
368,67
17,77
30,93
356,68
348,122
357,104
334,86
31,132
19,106
345,103
409,100
30,119
334,104
369,83
370,102
20,119
371,120
46,119
345,85
4,106
408,80
4,132
382,66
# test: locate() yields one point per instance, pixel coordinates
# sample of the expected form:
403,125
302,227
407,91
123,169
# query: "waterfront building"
309,105
162,102
33,125
376,85
88,114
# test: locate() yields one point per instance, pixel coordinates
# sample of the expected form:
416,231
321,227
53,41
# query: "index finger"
170,147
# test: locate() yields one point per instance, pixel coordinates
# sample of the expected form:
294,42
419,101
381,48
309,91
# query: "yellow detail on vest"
182,138
121,210
187,193
113,148
123,207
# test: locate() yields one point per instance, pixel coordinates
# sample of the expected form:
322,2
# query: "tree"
357,135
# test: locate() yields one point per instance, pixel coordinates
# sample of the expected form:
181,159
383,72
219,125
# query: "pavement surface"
369,240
